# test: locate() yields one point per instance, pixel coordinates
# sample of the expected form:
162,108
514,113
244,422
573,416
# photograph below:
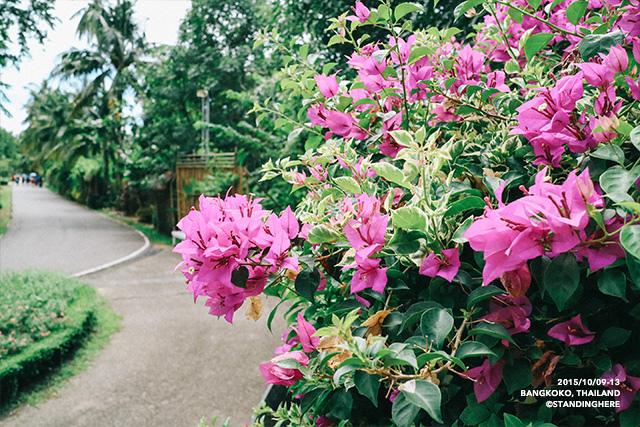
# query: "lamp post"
204,95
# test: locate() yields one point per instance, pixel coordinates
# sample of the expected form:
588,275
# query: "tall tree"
116,46
20,20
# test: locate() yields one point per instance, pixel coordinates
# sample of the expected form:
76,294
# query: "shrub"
44,318
469,239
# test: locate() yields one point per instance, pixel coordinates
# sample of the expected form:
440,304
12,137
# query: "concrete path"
49,232
171,364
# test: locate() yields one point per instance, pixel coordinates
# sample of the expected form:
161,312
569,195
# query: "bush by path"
44,318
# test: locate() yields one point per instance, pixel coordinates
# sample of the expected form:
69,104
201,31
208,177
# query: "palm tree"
116,45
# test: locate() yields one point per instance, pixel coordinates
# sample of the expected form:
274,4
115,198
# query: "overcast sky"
159,19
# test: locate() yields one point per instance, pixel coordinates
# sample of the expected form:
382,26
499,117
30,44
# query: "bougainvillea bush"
470,234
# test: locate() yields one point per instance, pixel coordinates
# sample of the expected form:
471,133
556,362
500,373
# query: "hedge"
22,370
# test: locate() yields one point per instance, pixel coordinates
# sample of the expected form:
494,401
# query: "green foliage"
19,22
45,317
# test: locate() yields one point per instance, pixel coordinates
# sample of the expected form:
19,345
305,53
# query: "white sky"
160,20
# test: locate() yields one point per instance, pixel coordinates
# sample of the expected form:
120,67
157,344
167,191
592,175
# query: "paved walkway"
49,232
170,365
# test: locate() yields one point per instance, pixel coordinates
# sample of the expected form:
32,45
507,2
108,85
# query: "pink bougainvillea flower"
628,386
229,235
305,331
634,87
361,11
616,60
487,379
597,75
328,85
288,344
323,422
275,374
512,313
368,272
572,332
445,265
549,220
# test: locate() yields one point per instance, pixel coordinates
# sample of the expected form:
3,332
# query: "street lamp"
204,95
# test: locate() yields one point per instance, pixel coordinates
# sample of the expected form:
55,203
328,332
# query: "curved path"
171,363
49,232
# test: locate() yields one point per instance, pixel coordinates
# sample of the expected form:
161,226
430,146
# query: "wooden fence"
195,167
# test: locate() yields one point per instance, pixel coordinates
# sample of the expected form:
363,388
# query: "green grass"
74,355
5,207
33,305
148,230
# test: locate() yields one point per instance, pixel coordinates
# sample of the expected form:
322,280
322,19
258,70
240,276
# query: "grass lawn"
5,207
45,314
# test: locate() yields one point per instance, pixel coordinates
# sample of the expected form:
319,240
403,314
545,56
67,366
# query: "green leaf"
517,376
482,293
341,404
609,152
407,242
465,204
367,385
548,8
322,234
420,52
492,329
473,348
615,337
307,282
239,277
345,369
403,8
593,44
409,218
459,233
384,12
614,283
436,324
348,184
463,7
515,14
535,4
425,395
390,173
512,421
414,313
576,10
403,411
562,278
635,137
630,239
336,39
536,43
288,364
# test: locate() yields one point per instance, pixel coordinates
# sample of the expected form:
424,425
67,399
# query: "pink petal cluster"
549,220
487,378
549,122
234,235
361,11
277,375
366,234
572,332
512,313
445,265
305,331
618,379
